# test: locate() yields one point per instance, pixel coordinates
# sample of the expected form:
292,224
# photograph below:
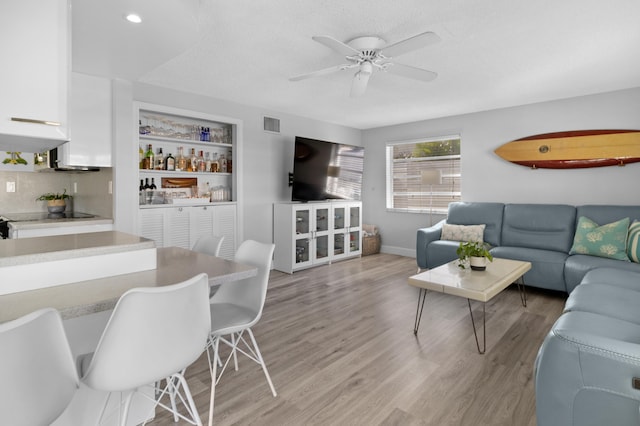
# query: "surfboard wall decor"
574,150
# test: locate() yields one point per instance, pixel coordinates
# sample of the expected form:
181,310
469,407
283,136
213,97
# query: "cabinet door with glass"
321,234
347,233
303,232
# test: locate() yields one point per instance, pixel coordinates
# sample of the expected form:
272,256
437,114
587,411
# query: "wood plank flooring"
339,345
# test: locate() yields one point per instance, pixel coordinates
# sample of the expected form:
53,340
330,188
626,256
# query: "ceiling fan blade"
323,72
336,45
410,72
409,44
361,80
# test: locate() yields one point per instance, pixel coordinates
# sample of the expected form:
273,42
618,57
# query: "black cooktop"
29,217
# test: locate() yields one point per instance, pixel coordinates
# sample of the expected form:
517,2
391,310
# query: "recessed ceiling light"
133,17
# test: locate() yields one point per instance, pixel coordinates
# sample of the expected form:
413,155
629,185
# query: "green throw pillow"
633,242
608,240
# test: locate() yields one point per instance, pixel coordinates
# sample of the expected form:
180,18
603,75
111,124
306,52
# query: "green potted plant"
56,202
477,254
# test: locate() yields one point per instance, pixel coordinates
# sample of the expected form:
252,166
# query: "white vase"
478,263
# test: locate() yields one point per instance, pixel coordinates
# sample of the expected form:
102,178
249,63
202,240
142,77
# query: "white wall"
486,177
266,158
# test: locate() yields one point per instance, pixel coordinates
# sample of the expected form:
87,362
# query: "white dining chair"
39,377
209,244
153,334
235,308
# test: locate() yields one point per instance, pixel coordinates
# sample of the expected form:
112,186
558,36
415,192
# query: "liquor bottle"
159,161
207,162
148,159
223,164
140,157
201,163
181,161
215,167
192,165
170,163
142,199
229,164
153,186
148,193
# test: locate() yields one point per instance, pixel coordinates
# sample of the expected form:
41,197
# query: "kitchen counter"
33,263
58,226
58,223
44,249
92,296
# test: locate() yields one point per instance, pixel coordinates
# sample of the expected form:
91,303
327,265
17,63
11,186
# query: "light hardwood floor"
338,341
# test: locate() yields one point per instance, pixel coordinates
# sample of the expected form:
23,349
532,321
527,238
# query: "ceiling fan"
370,53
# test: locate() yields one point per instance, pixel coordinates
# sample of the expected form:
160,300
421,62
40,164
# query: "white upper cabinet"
34,77
91,122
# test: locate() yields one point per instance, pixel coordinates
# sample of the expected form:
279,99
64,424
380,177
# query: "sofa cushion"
539,226
489,214
608,240
612,301
633,242
608,214
613,276
547,267
578,265
466,233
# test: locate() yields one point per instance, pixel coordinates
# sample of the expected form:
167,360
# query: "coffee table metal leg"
484,328
523,292
422,294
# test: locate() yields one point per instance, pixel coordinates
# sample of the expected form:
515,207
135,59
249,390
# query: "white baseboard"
400,251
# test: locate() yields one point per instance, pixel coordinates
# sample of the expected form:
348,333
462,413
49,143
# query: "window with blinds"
411,168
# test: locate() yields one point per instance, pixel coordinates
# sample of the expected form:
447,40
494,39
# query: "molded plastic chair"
37,369
209,244
236,307
153,334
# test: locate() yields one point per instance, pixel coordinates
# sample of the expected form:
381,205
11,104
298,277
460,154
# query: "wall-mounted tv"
326,170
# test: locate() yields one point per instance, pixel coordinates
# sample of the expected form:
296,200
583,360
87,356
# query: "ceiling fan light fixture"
366,68
369,52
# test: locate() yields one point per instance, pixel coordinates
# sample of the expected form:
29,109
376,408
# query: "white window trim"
389,172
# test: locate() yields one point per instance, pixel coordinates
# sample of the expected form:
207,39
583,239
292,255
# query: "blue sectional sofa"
587,371
539,233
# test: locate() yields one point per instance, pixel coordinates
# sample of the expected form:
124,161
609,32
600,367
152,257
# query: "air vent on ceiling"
271,124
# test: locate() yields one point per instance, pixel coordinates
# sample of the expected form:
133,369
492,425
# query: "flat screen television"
326,170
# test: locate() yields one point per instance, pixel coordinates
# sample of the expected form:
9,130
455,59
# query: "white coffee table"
481,286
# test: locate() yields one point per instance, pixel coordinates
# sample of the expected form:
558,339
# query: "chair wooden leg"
261,362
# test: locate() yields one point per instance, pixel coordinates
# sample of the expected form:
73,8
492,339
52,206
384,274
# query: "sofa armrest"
585,369
424,237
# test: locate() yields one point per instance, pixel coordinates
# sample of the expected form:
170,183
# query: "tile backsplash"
91,197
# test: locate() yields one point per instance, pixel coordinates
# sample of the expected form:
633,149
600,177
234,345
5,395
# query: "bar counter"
85,297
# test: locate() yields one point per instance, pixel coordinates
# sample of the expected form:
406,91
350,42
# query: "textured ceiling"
493,54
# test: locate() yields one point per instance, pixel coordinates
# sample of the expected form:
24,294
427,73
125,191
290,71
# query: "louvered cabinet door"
151,224
224,223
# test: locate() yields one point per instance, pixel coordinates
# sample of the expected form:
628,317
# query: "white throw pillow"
466,233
